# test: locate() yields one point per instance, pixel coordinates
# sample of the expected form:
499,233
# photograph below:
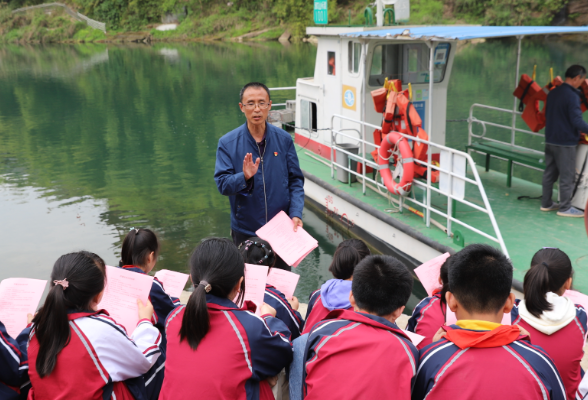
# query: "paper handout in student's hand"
123,288
291,246
173,282
415,338
284,281
428,273
577,298
451,318
19,297
255,279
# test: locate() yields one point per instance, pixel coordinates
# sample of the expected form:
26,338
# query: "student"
257,251
373,358
14,364
429,315
139,253
76,351
334,293
554,322
215,349
478,357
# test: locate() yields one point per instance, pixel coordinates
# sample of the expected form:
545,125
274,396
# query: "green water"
96,139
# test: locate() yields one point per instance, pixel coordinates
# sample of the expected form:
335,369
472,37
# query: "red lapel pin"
275,153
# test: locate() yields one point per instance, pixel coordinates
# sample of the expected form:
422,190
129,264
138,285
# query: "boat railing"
281,89
495,236
512,128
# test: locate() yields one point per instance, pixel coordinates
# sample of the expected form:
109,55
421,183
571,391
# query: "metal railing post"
432,45
514,106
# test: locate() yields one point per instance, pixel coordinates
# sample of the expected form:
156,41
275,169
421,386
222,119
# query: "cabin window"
407,62
354,56
308,115
331,63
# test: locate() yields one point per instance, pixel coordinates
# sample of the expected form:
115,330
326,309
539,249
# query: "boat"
472,203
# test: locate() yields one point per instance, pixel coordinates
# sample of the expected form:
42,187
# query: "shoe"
553,207
571,212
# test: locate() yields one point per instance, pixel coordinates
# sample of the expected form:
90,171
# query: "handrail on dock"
486,208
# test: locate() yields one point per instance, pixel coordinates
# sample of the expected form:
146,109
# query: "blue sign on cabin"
419,106
320,12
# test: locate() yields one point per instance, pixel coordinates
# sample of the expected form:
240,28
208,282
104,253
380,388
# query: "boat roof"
452,32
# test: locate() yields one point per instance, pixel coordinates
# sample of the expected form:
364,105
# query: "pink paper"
123,288
428,273
255,278
415,338
173,282
451,318
284,281
577,298
291,246
19,297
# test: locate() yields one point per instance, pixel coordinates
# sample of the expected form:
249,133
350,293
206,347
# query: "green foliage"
510,12
426,12
296,13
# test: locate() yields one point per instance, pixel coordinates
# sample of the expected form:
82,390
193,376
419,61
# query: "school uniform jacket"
97,359
13,363
233,360
358,356
510,368
565,346
427,317
316,311
284,311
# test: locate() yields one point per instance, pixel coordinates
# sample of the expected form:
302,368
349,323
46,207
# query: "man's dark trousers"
239,238
560,161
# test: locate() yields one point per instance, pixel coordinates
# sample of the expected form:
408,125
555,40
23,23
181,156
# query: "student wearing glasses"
257,167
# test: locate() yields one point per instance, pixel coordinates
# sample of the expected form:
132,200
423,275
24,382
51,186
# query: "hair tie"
544,263
206,285
64,283
136,230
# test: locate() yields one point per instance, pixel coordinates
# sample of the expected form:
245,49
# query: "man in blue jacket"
563,126
260,189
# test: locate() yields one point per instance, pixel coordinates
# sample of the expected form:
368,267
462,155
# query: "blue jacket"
284,312
277,186
563,116
14,365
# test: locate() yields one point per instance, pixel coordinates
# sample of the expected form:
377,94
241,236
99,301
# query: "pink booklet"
577,298
415,338
173,282
451,318
255,278
291,246
428,273
19,297
123,288
284,281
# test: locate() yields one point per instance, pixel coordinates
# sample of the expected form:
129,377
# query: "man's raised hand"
249,168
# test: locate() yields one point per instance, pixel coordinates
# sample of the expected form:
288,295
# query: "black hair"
85,274
381,284
257,251
575,70
257,85
444,275
480,278
348,254
138,244
550,269
217,262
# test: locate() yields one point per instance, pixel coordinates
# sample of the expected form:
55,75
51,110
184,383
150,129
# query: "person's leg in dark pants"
239,237
565,158
550,175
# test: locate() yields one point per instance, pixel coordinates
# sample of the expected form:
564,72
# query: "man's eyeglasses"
251,106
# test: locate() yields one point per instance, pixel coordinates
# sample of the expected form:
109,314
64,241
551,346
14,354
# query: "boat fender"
391,141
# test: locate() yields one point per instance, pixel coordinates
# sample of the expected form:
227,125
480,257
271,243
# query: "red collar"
82,314
501,336
351,315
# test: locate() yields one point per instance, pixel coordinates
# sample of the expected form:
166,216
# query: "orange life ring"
390,141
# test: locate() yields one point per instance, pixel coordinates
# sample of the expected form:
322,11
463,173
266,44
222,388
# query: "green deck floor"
524,228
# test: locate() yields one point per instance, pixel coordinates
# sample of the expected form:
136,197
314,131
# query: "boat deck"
524,227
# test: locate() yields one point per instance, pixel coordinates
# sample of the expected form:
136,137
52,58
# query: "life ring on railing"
391,141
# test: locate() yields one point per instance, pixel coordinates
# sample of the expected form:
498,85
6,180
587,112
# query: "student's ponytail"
257,251
138,244
216,266
348,254
75,280
550,269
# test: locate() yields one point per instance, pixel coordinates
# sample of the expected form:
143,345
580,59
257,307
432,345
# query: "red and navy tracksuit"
427,317
233,360
353,355
284,310
486,364
97,360
316,311
565,347
14,364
